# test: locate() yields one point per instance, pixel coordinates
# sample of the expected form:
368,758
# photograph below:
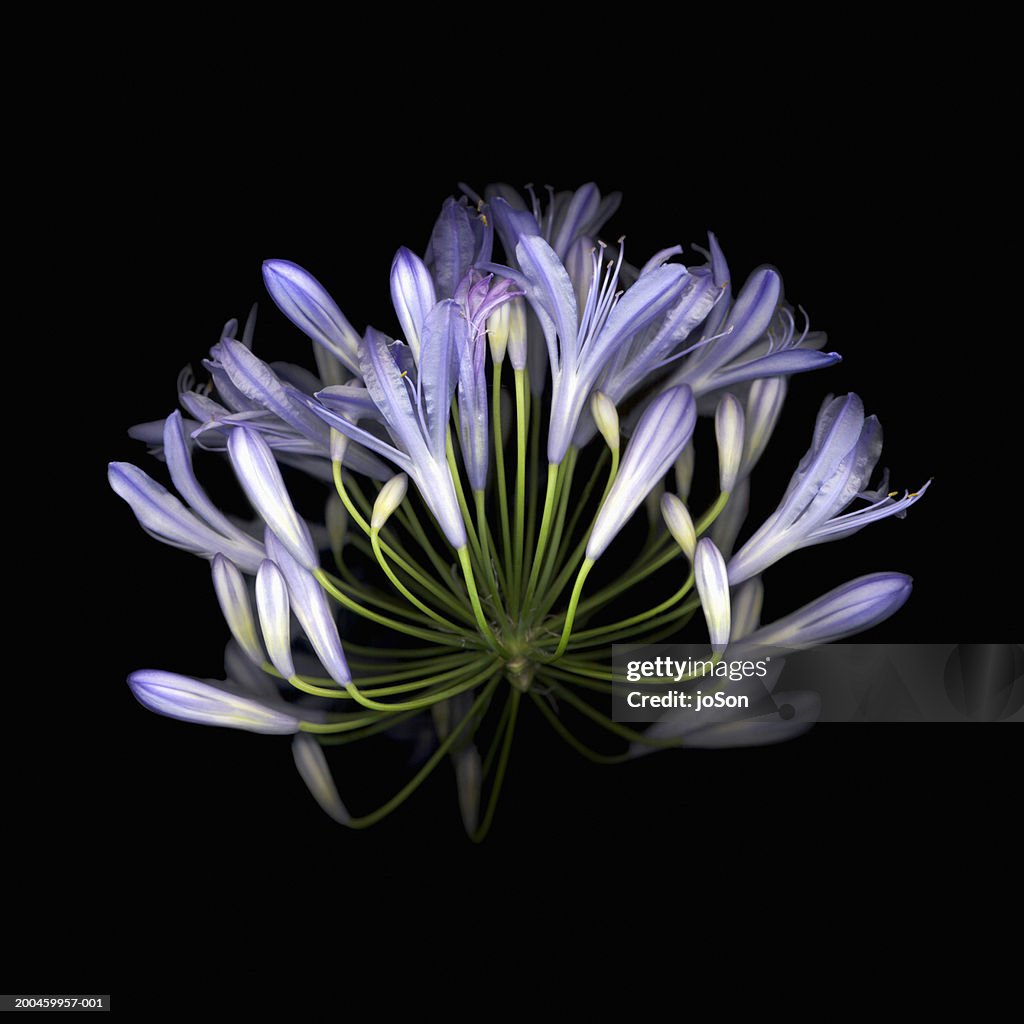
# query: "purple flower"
581,342
663,431
412,402
204,530
851,608
305,301
192,700
261,480
842,456
754,336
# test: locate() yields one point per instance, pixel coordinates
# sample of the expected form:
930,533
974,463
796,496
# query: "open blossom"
413,404
449,584
830,476
580,341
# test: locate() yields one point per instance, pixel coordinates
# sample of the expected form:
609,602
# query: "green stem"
570,566
403,589
518,564
430,699
564,490
570,615
341,597
611,627
577,745
542,537
581,505
506,747
499,472
492,583
461,497
436,758
414,571
474,597
411,521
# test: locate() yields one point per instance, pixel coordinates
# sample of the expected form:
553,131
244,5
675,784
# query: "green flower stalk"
488,561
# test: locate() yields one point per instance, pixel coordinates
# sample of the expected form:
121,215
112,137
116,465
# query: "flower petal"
312,766
663,431
164,517
305,301
712,582
309,603
413,295
261,480
191,700
233,597
275,616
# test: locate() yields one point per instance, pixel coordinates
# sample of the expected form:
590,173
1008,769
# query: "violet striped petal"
311,608
662,433
192,700
258,473
729,425
851,608
712,582
164,517
413,296
274,611
305,301
233,597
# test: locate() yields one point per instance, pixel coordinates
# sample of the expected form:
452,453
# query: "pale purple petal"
275,616
311,608
192,700
412,294
662,433
851,608
712,583
164,517
233,597
306,302
261,480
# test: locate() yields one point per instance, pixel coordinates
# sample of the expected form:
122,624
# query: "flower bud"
680,525
391,496
233,598
729,434
713,587
606,417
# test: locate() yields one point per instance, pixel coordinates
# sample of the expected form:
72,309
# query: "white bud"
339,444
497,333
606,417
233,598
684,472
336,519
391,496
517,332
729,434
680,525
275,616
713,587
313,767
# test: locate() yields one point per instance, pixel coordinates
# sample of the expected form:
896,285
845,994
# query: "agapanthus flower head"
539,400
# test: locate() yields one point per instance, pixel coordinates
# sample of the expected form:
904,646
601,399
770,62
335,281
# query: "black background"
198,826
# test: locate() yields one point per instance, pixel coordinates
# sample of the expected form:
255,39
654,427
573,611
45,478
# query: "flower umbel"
490,466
